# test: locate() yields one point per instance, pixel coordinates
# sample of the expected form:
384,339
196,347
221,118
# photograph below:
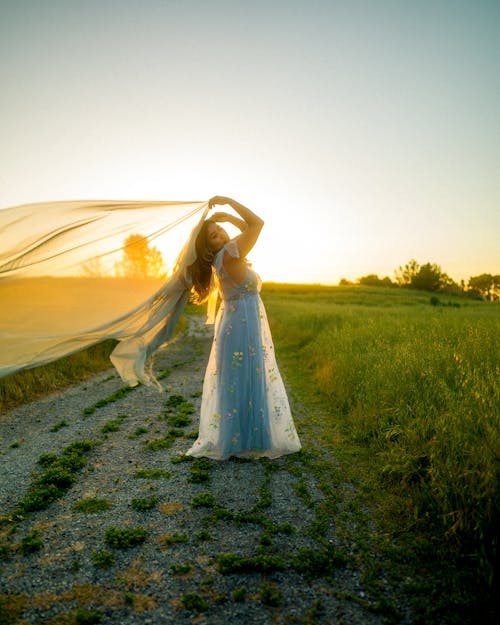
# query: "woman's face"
217,237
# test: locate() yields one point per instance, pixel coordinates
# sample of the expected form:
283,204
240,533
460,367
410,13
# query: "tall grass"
29,384
418,386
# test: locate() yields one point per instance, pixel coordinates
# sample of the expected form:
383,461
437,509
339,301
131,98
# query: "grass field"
408,397
405,399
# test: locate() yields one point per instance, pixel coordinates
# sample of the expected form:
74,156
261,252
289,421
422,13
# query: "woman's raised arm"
247,239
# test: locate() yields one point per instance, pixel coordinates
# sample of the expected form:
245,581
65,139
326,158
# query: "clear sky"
364,132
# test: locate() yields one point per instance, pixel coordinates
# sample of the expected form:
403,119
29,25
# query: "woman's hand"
220,199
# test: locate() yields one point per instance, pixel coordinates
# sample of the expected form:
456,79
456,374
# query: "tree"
139,259
404,275
427,277
487,284
93,268
372,279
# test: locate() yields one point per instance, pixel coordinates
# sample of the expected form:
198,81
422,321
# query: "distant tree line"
430,277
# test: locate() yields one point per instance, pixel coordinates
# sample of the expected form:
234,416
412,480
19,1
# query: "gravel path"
258,510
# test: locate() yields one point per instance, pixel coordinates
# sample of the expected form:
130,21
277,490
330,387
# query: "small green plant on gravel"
175,433
14,445
174,538
314,614
103,559
119,394
321,522
125,538
174,401
231,563
151,474
111,426
138,432
179,420
181,569
83,616
302,491
59,426
164,374
203,535
75,565
203,500
59,475
194,602
46,460
192,435
147,503
265,499
31,543
92,505
200,471
165,442
270,594
239,594
5,551
179,459
322,562
265,539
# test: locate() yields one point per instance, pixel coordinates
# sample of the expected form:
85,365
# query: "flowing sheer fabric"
68,281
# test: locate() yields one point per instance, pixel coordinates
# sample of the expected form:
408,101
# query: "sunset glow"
365,134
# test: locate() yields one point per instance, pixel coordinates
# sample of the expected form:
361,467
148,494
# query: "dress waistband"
238,296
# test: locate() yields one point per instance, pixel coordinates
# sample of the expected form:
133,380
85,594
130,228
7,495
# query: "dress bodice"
229,289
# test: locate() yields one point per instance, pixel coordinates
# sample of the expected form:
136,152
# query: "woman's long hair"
201,269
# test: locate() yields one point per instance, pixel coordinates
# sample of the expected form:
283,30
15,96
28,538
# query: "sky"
364,132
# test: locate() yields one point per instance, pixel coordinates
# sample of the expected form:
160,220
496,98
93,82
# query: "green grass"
59,475
144,503
406,395
92,505
125,538
29,384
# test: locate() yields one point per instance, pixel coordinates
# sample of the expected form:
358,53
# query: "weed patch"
142,504
59,475
181,569
231,563
59,426
119,394
92,506
103,559
270,594
203,500
194,602
31,543
173,538
152,474
125,538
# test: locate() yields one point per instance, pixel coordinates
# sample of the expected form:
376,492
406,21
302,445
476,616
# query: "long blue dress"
244,409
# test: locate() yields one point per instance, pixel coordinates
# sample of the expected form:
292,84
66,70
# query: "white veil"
73,274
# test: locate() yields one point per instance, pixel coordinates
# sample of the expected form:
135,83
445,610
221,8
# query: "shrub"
194,602
103,559
125,538
270,594
147,503
151,474
203,500
31,543
91,506
181,569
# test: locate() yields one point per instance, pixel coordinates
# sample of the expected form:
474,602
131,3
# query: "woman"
244,410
